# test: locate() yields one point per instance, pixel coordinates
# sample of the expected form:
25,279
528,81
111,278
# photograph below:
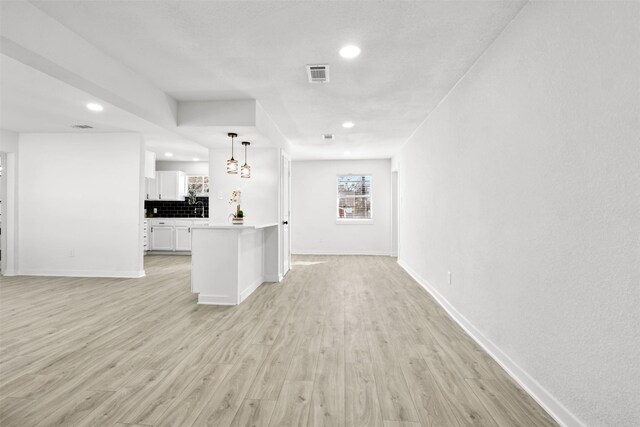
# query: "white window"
198,183
354,199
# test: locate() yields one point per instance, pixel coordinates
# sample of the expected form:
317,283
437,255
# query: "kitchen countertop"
177,217
228,226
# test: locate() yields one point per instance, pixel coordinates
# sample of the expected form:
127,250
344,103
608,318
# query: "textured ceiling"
412,55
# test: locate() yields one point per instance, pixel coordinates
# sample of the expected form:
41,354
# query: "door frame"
285,216
395,211
3,213
9,206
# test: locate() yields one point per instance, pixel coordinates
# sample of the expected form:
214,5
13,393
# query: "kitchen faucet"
195,210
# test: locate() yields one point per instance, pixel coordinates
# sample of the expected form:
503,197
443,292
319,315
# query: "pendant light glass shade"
245,171
232,164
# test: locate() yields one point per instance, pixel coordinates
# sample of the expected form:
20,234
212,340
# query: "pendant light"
232,164
245,171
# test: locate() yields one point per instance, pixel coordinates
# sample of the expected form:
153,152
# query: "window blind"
354,197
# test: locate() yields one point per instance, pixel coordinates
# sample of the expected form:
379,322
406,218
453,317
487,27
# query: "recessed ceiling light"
350,51
94,107
168,154
346,153
195,159
347,125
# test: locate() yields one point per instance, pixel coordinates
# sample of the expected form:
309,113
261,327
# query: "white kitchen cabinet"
167,185
172,185
183,239
149,164
162,235
151,189
145,235
183,236
172,235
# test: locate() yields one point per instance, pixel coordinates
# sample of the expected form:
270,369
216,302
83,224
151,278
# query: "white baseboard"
561,414
84,273
331,252
273,278
252,287
216,300
230,299
179,253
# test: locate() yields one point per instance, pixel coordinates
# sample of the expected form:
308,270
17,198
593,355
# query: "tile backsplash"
177,209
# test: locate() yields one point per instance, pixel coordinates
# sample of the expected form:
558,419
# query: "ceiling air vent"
82,127
328,137
318,73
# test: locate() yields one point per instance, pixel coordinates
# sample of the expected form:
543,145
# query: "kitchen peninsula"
229,261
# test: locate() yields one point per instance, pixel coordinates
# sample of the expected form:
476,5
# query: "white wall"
80,204
525,184
8,141
313,209
190,168
260,193
9,206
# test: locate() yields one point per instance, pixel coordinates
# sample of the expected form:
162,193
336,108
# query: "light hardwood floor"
344,341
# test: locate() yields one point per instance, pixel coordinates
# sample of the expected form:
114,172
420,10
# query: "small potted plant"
238,215
192,197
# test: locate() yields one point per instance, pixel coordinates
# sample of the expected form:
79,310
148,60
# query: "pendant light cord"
232,148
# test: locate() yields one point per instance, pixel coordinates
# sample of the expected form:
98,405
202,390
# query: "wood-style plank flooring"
342,341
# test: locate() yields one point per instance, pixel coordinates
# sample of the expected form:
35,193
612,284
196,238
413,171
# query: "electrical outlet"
220,195
72,253
449,277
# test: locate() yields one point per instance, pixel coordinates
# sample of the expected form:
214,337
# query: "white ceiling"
31,101
413,53
181,149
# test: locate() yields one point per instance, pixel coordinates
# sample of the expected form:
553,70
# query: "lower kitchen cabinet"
183,237
162,237
172,235
145,235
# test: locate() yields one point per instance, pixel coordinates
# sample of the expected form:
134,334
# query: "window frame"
203,177
354,221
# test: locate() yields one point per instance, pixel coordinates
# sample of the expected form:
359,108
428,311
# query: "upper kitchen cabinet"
166,185
151,188
171,185
149,164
